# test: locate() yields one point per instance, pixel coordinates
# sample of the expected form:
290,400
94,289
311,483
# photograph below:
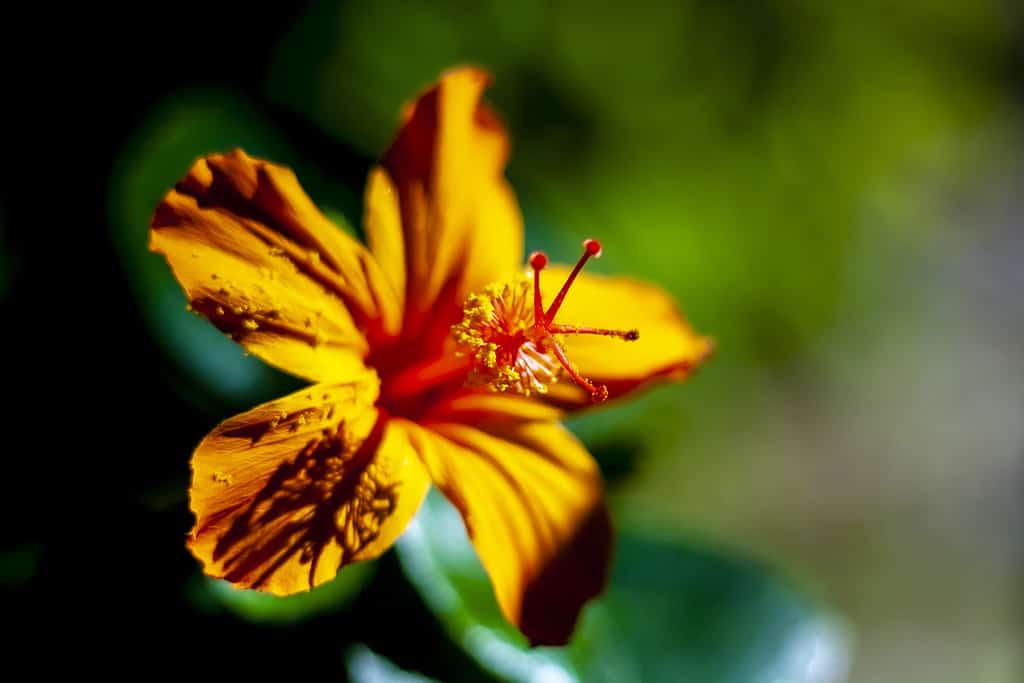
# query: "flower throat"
513,344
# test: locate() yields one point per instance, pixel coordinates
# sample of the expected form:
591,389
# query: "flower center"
512,343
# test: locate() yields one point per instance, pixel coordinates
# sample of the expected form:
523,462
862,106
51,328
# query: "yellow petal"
287,494
461,224
382,223
266,267
668,349
531,498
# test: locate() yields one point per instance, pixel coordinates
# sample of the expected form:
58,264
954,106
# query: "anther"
627,335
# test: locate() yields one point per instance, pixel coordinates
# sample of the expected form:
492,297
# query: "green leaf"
214,595
6,262
19,565
366,666
672,613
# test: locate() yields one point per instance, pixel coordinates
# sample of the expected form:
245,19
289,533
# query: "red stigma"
538,260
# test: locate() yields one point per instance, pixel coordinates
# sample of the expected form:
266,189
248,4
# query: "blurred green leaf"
18,566
214,595
175,134
6,263
727,151
366,666
671,614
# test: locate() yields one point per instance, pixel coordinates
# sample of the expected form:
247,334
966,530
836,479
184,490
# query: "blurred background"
830,190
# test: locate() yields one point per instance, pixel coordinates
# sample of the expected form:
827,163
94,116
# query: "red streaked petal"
461,224
288,493
257,258
531,498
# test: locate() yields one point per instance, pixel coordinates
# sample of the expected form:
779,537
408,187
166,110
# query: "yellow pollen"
497,332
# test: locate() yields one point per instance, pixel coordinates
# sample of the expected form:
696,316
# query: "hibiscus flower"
432,360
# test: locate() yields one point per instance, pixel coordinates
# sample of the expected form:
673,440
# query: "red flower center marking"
514,348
